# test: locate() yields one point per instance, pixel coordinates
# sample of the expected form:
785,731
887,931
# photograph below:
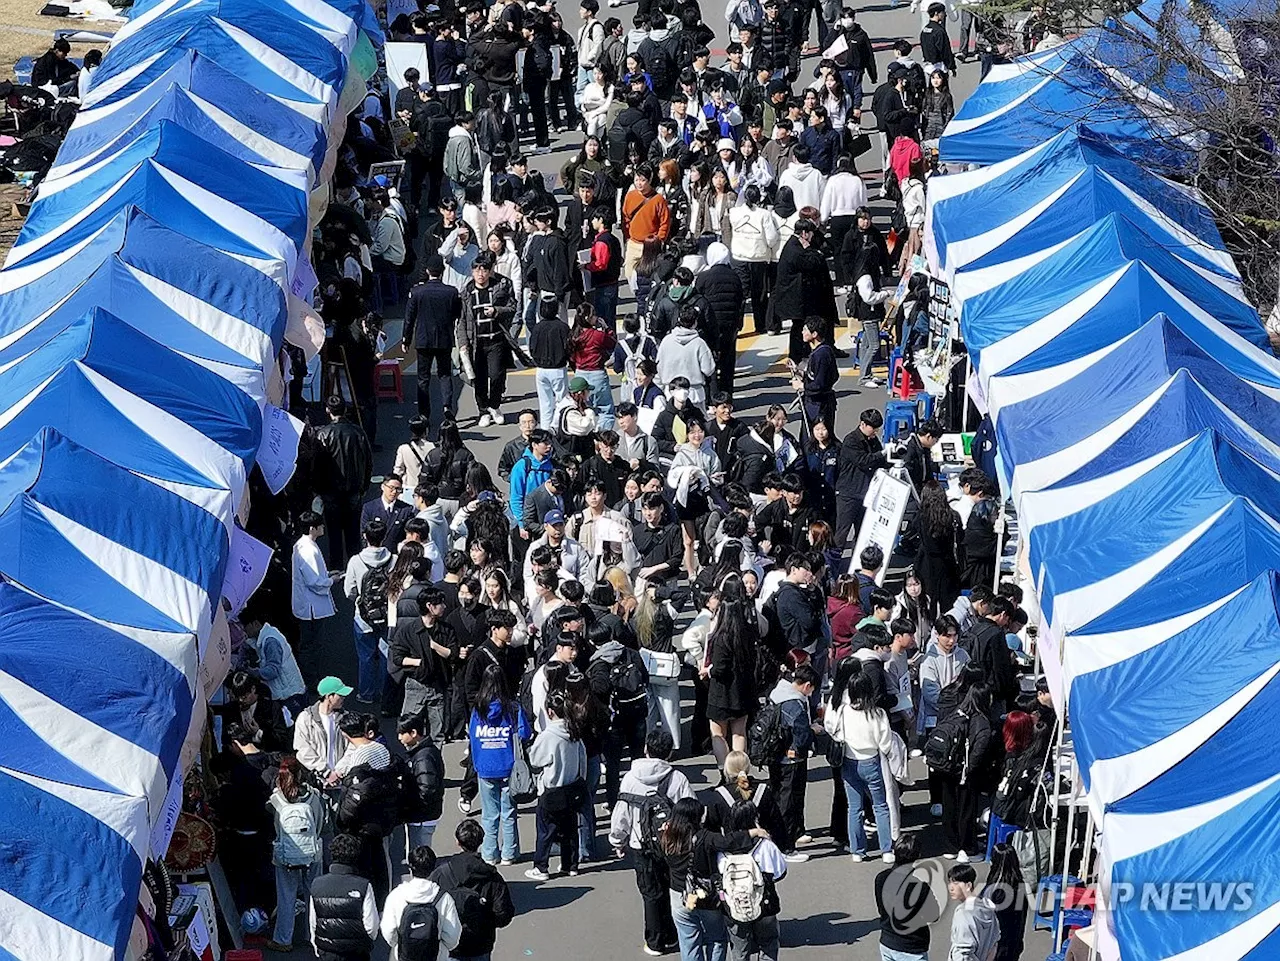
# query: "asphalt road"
828,908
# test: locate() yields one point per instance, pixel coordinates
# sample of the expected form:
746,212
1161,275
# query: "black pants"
625,737
491,374
536,90
375,866
653,882
699,726
429,357
557,821
849,512
839,226
959,815
725,348
342,530
935,787
839,809
246,858
470,783
562,90
755,288
789,782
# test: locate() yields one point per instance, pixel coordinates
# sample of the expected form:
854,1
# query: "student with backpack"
749,892
480,895
649,792
419,918
959,752
560,759
367,582
737,785
620,680
298,852
789,763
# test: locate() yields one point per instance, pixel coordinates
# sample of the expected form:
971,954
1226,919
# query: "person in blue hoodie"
528,474
496,721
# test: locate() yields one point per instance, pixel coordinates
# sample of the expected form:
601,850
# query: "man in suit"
429,326
389,509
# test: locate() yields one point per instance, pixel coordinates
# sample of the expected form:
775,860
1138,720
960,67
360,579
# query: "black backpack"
525,696
652,811
628,692
419,933
767,736
947,749
474,915
661,64
372,599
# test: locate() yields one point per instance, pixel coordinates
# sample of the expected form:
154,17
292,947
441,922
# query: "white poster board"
400,57
886,502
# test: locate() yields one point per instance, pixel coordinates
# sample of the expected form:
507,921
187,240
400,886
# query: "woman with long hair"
913,209
838,103
447,467
938,107
1006,889
299,814
738,785
654,625
496,593
689,849
844,614
697,451
937,560
842,675
597,98
591,159
560,759
671,186
750,168
400,577
591,344
697,181
591,718
915,604
718,201
546,600
730,670
822,540
459,251
961,789
496,720
753,245
862,727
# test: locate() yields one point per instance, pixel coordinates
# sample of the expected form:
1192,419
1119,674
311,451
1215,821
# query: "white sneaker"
857,858
888,857
870,382
916,752
497,416
796,857
949,857
535,874
466,808
804,839
647,950
485,420
507,862
962,858
542,151
935,810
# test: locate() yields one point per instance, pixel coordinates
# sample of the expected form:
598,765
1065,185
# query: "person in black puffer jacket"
344,917
422,794
447,466
722,288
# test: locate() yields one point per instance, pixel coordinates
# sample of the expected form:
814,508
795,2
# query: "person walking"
730,669
480,894
549,348
344,462
863,729
496,722
423,795
430,326
419,917
299,813
488,308
590,350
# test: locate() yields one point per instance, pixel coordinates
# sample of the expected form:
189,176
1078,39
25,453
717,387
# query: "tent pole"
1057,799
1066,855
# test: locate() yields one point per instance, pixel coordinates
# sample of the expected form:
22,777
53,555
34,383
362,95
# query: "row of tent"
143,311
1136,403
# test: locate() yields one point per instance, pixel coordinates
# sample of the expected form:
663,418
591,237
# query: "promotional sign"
886,502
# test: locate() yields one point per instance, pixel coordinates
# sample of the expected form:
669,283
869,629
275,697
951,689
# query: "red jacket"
591,349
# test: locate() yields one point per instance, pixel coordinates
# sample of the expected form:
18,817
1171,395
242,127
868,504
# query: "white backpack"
741,887
298,840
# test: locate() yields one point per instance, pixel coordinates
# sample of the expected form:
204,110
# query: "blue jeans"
889,954
863,779
292,884
605,301
553,385
497,811
369,685
418,835
601,395
702,934
587,815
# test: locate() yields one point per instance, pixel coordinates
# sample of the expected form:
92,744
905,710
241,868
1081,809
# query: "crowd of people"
634,547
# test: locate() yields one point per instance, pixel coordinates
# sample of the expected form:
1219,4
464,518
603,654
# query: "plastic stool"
384,391
898,414
997,833
1042,920
242,954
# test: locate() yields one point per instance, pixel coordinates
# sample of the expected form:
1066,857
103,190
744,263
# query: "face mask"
846,22
1013,641
680,394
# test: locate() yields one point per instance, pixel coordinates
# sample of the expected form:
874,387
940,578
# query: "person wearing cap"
317,740
575,419
488,308
573,559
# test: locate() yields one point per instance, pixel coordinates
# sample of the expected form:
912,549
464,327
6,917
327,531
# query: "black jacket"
984,643
723,291
612,474
662,426
752,459
549,345
338,899
513,449
804,284
546,267
451,475
509,659
917,462
431,315
659,546
859,55
426,801
799,617
412,638
935,46
343,461
493,909
369,804
395,519
726,436
633,123
861,457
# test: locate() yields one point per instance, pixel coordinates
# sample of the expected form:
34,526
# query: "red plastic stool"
242,954
394,390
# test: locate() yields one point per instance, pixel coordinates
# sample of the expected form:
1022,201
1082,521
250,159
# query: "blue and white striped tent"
1136,403
142,315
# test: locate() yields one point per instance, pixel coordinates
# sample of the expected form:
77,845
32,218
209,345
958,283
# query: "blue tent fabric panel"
90,885
99,673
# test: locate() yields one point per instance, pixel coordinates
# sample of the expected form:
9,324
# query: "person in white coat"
312,582
418,889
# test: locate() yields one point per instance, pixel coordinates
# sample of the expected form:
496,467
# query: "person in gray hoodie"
632,826
366,575
462,157
560,758
683,353
789,774
975,931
